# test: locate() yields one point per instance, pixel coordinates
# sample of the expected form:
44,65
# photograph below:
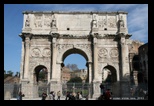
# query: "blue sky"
13,21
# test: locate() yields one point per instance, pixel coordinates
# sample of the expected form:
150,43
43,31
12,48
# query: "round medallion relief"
46,52
114,53
102,52
35,52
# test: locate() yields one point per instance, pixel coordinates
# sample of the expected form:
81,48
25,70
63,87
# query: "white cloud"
137,19
138,23
140,35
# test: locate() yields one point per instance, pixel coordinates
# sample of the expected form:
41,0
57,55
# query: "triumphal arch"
48,37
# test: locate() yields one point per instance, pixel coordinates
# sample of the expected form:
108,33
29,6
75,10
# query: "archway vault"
74,51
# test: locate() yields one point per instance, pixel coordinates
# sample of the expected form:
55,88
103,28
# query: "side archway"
109,74
40,74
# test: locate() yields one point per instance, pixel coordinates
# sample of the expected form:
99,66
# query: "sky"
137,20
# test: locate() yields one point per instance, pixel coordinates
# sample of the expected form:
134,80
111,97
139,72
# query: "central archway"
75,51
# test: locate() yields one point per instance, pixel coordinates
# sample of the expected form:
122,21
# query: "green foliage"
42,75
8,73
75,80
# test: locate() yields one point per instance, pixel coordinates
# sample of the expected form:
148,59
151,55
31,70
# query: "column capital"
122,35
54,35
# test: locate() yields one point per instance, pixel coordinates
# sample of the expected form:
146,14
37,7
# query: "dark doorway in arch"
40,74
110,81
135,62
111,74
140,77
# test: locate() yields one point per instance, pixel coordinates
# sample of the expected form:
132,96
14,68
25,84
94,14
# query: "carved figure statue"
121,22
27,23
53,22
94,22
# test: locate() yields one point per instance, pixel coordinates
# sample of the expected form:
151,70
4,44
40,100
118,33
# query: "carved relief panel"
112,21
102,52
38,20
114,54
35,52
61,48
102,22
108,54
47,20
40,52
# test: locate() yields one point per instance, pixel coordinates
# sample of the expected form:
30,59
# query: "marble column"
90,72
125,69
95,56
26,66
22,60
96,81
124,58
54,55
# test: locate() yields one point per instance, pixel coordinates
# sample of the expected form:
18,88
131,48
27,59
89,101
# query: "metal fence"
11,91
85,88
43,88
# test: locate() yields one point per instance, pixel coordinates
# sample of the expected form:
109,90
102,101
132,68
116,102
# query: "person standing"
67,95
107,94
51,95
44,95
58,95
20,95
102,88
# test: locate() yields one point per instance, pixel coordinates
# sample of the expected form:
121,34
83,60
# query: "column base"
96,89
55,86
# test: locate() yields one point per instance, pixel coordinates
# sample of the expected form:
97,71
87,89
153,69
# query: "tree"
17,74
8,73
75,80
42,75
72,67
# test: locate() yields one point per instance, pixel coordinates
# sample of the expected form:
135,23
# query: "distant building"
12,80
82,73
143,58
134,60
65,74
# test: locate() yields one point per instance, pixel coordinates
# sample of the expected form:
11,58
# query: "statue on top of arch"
121,22
27,22
53,22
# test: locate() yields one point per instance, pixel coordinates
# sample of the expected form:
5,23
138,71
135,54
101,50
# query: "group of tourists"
51,96
74,96
69,96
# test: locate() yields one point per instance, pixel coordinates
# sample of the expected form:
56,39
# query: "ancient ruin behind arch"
102,38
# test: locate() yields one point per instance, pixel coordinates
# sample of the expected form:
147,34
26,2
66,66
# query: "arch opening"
109,74
40,74
78,58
